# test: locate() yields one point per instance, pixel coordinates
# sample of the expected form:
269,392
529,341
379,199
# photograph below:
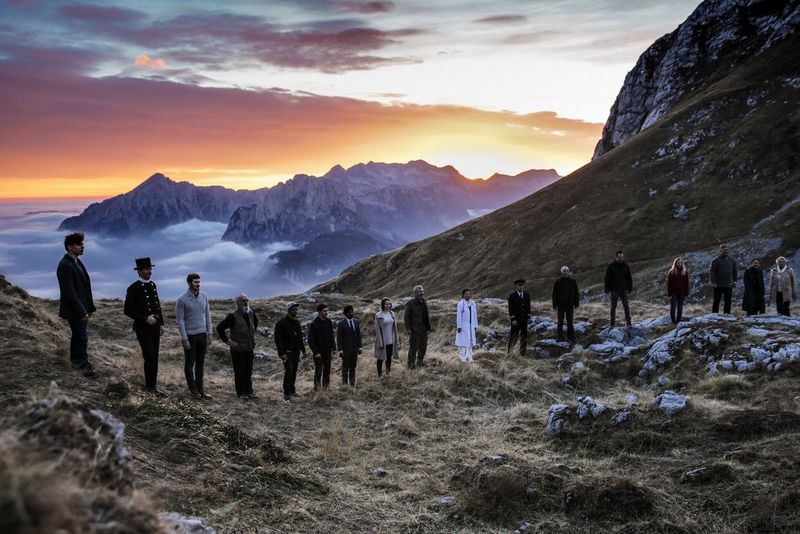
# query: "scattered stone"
569,381
447,500
577,366
556,417
378,471
632,399
663,380
524,528
588,406
621,417
670,402
180,524
261,356
497,458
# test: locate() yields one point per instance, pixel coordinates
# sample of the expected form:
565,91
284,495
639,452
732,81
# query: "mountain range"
333,220
700,148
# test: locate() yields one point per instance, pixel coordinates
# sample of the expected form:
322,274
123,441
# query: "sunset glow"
246,97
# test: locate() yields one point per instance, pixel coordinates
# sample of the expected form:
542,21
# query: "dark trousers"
349,362
194,359
417,347
676,308
290,374
623,296
519,334
389,352
243,371
782,307
149,340
719,293
562,313
322,371
79,342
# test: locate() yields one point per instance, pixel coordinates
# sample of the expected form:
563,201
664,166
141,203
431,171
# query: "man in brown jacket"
242,323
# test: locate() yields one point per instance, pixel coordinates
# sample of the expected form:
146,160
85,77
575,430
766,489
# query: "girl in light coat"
466,323
386,340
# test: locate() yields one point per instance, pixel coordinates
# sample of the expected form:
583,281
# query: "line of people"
237,330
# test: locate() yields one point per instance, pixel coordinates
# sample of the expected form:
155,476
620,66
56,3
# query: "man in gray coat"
193,316
722,275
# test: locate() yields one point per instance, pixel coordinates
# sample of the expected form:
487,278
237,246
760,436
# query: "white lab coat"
467,321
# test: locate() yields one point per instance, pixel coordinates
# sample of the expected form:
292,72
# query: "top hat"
142,263
519,281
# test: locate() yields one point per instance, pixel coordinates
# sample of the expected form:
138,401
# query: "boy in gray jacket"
194,325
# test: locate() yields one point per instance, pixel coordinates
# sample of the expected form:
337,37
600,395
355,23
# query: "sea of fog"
33,246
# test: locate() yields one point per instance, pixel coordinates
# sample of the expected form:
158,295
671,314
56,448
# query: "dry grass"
311,465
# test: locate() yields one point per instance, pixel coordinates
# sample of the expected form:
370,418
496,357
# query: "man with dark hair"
619,283
565,300
193,316
722,275
322,342
143,306
289,341
242,323
76,304
418,324
348,339
519,310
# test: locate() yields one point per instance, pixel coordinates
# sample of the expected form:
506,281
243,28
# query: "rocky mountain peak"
717,36
156,180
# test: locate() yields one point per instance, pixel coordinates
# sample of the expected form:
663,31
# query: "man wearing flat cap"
519,310
242,323
142,305
289,341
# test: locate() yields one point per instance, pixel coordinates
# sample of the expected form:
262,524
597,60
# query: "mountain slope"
721,165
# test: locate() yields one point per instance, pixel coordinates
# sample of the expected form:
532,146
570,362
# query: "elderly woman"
386,340
782,284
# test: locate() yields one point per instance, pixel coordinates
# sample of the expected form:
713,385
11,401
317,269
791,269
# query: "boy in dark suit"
519,310
142,305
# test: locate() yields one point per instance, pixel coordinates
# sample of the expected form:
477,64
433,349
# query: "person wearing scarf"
782,286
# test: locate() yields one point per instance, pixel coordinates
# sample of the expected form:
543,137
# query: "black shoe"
244,397
88,370
203,394
157,392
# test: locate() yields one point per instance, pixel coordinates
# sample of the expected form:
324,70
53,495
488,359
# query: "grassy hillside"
721,166
462,448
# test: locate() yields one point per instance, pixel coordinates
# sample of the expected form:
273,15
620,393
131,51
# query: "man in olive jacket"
76,304
565,300
242,323
418,324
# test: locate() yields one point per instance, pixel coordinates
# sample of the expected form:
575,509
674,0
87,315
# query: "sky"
96,97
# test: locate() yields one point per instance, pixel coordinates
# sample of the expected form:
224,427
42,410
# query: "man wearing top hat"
142,305
519,310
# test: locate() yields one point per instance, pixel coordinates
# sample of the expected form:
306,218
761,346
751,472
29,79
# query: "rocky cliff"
717,37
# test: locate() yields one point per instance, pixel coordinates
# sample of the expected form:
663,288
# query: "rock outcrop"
679,63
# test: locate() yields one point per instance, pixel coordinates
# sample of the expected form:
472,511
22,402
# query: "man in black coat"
322,342
76,304
289,342
418,324
143,306
348,339
519,310
619,284
565,300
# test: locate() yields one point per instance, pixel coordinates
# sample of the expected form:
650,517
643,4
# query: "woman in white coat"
466,323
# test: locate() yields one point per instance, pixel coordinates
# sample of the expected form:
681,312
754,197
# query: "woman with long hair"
386,340
677,289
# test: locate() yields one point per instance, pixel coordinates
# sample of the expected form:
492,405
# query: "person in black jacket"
76,304
348,339
565,300
322,342
242,323
418,324
142,305
289,341
753,301
619,284
519,310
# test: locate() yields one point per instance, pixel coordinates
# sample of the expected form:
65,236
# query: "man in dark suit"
142,305
348,339
519,310
76,304
289,342
322,342
565,300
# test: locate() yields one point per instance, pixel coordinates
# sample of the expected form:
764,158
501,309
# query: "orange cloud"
147,62
74,136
